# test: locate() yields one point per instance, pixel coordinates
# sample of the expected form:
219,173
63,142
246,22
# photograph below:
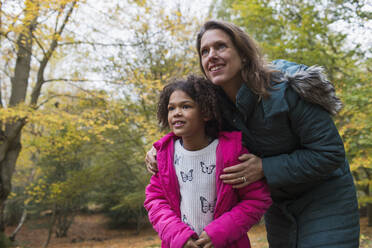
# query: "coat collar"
247,101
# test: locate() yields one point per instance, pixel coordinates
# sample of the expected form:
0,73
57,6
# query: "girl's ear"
207,118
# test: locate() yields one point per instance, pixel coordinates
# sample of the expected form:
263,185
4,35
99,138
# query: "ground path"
91,231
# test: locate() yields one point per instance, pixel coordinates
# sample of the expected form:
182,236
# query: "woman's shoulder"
278,100
307,82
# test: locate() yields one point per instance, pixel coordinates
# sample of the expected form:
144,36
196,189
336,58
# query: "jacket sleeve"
254,200
321,149
232,225
172,231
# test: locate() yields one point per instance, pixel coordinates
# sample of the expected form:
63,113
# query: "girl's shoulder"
165,141
230,143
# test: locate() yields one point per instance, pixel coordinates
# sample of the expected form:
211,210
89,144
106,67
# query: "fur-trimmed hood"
310,83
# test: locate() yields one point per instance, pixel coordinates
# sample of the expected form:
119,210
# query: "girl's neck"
195,143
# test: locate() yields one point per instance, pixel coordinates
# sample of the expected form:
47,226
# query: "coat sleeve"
321,149
172,231
254,200
232,225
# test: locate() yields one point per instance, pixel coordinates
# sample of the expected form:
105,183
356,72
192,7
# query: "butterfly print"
184,220
207,168
176,159
207,206
187,176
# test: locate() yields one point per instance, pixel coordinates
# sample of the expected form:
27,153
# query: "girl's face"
184,116
220,59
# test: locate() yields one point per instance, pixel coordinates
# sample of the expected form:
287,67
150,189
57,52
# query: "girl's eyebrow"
182,102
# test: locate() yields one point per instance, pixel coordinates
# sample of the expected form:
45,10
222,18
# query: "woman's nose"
212,54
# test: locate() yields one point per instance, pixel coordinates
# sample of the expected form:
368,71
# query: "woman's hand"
204,241
247,172
191,243
151,163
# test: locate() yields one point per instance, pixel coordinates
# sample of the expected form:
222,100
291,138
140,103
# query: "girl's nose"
177,112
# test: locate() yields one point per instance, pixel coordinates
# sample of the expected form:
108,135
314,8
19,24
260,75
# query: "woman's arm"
322,150
165,221
151,163
254,201
248,171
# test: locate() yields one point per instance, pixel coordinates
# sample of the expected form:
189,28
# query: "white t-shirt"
196,173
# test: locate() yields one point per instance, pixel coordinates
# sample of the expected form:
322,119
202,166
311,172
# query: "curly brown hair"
203,92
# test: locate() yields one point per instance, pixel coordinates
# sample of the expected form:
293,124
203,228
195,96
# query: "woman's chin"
217,81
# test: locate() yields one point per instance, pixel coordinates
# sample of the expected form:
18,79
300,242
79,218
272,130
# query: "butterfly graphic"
207,206
187,176
207,168
177,159
184,220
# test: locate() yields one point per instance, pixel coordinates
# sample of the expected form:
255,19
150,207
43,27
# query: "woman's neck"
195,143
231,90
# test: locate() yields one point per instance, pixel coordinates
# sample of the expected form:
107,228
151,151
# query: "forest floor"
91,231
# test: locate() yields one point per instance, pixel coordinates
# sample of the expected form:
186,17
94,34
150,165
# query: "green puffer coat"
303,158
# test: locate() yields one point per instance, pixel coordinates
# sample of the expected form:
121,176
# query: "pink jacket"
236,211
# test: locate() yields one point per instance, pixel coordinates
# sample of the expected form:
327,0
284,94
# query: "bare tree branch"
40,74
70,80
91,43
39,44
57,96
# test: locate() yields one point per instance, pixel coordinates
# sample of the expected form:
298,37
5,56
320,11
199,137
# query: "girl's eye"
170,108
186,106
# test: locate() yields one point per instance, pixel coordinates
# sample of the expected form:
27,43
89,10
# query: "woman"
284,112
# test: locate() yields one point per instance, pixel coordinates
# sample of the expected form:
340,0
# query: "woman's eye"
204,52
221,46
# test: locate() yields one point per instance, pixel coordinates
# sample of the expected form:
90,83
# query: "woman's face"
220,59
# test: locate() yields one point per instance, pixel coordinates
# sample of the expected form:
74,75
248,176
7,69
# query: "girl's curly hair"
203,92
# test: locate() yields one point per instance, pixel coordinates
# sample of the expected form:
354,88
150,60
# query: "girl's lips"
178,123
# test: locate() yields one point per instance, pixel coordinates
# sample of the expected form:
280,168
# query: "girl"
187,203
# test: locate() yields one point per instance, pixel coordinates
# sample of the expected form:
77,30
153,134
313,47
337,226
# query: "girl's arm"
232,225
172,231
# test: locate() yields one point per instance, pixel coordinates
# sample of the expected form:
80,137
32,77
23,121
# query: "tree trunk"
24,214
10,144
139,220
7,166
51,225
369,213
20,224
